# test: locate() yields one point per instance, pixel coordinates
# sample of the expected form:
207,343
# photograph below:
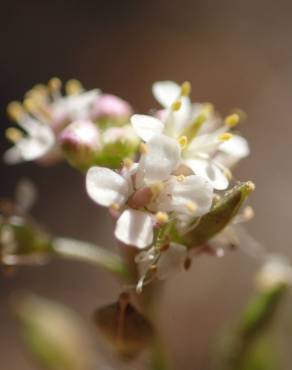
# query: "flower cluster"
186,154
158,174
86,127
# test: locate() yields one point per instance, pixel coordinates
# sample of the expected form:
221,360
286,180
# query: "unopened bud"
80,142
111,107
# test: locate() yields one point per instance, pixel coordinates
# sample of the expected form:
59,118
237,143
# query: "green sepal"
218,218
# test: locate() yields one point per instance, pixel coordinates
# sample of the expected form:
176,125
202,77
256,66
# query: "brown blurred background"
236,54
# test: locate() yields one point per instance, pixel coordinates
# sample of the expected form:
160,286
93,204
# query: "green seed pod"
124,327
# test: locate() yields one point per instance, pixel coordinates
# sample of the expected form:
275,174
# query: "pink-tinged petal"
161,159
166,92
106,187
146,126
135,228
210,172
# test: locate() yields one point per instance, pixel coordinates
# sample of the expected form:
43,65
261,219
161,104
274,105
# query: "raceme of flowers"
157,173
186,154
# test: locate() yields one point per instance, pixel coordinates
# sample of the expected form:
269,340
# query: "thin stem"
93,254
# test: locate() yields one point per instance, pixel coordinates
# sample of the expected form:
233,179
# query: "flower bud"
118,143
111,108
22,242
80,142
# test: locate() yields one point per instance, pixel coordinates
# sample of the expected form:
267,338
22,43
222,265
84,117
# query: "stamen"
30,105
225,137
128,163
232,120
153,269
55,84
15,111
161,217
13,134
115,206
73,87
185,89
180,178
175,106
191,206
228,173
156,188
143,148
183,141
192,130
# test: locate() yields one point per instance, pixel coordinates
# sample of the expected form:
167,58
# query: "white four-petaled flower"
145,190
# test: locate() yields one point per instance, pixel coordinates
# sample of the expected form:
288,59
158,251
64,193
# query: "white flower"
44,113
275,271
149,191
208,149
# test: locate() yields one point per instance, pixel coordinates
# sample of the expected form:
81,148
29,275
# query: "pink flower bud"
80,142
111,107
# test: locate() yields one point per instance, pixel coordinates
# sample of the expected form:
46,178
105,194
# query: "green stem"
90,253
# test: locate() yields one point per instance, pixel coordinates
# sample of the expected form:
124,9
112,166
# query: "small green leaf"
219,217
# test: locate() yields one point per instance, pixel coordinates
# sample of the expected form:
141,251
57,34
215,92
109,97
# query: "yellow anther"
30,105
232,120
13,134
191,206
175,106
143,148
115,206
55,84
225,137
185,89
15,110
73,87
161,217
128,162
156,188
183,141
228,173
180,178
208,108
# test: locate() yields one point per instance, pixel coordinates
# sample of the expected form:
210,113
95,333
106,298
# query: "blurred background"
235,54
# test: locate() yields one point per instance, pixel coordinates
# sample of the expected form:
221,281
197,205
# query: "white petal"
76,106
237,147
106,187
30,148
166,92
178,194
146,126
210,172
135,228
163,155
